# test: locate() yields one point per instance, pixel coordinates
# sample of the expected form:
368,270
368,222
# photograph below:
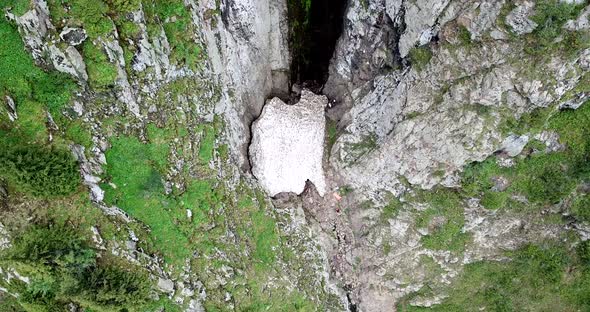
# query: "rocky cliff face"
456,136
424,89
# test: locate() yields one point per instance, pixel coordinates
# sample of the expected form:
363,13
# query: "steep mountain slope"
456,155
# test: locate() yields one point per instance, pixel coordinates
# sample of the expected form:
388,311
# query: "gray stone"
575,102
519,20
514,144
70,62
165,285
11,107
288,145
581,23
73,36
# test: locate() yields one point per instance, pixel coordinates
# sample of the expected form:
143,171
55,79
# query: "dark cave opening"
315,26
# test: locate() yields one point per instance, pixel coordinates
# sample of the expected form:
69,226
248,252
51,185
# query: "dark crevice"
352,307
315,27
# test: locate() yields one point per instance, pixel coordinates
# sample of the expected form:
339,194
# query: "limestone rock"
288,145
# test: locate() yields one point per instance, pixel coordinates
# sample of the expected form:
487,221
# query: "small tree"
40,171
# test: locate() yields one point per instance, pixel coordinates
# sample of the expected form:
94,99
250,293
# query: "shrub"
113,286
64,268
39,171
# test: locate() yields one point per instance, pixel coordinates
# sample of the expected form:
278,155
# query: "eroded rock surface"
288,145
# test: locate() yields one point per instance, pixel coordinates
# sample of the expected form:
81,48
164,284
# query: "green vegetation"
176,20
63,268
207,143
420,57
101,72
92,14
25,82
550,16
39,171
25,162
443,218
580,207
18,7
542,178
368,143
390,210
537,278
135,170
332,129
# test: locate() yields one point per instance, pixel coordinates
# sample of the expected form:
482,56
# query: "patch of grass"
543,178
133,169
390,210
332,129
92,14
207,143
18,7
444,219
537,278
23,81
580,208
101,72
176,20
367,143
420,57
464,35
494,200
123,6
78,133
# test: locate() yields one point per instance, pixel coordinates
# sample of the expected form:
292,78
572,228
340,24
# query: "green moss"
332,129
390,210
133,169
367,143
420,57
580,208
176,20
123,6
542,178
79,134
18,7
494,200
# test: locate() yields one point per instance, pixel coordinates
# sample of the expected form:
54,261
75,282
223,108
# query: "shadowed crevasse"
315,27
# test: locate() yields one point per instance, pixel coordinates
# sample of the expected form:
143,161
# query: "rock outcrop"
288,145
